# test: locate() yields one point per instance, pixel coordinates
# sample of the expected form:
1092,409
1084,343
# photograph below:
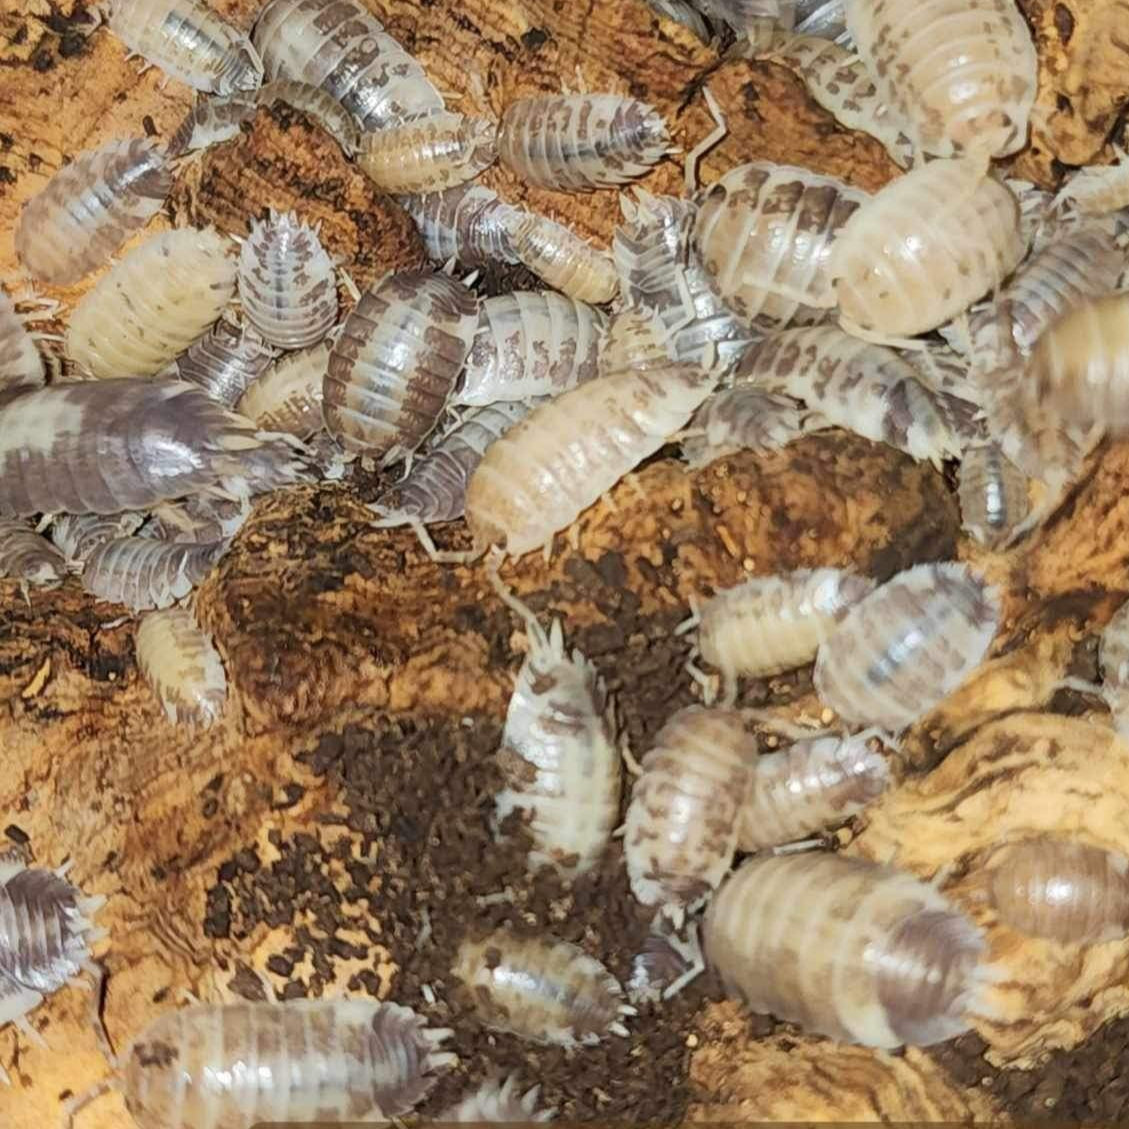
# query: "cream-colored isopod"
182,666
925,248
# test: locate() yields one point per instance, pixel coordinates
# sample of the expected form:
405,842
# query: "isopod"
338,46
741,419
579,142
530,344
153,304
559,762
198,519
77,535
317,104
142,573
210,122
287,397
559,257
684,13
189,42
287,282
635,340
470,224
925,248
681,826
1061,890
845,948
430,155
497,1100
545,471
225,362
1098,189
542,989
994,501
904,648
90,207
765,233
28,557
824,18
396,362
182,666
21,366
813,785
961,74
1113,657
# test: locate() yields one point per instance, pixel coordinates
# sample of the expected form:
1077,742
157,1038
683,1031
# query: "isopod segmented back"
225,362
182,667
470,224
430,155
287,396
993,492
21,366
561,258
143,573
28,557
77,535
742,419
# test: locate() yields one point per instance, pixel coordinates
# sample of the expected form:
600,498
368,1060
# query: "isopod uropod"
28,557
225,362
429,155
182,666
142,573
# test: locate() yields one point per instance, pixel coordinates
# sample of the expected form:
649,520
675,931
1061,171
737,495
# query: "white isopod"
1098,189
142,573
559,257
287,396
77,535
429,155
470,224
225,362
182,666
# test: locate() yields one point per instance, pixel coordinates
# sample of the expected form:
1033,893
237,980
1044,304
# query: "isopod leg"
537,637
708,682
714,137
73,1106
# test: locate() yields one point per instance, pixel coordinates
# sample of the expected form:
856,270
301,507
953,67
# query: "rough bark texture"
347,788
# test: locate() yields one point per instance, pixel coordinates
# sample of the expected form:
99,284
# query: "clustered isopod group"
771,304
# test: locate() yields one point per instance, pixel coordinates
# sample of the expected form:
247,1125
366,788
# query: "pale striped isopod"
78,535
578,142
338,46
182,666
559,257
142,573
812,785
541,988
1098,189
396,362
545,471
530,344
153,304
765,234
430,155
905,647
961,74
681,826
210,122
559,762
90,207
1113,657
497,1100
846,948
1061,890
850,383
287,397
470,224
189,42
317,104
635,340
28,557
925,248
287,282
994,501
741,419
225,362
21,366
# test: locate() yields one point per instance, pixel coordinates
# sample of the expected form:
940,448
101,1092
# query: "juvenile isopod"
741,419
497,1100
845,948
961,74
530,344
765,234
470,224
559,257
548,469
142,573
21,366
542,989
29,557
925,248
1098,189
189,42
210,122
904,648
396,362
429,155
1062,890
90,207
579,142
338,46
182,666
681,826
994,501
225,362
77,535
326,110
287,396
287,282
153,304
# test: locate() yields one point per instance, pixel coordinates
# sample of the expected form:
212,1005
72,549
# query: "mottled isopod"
21,366
741,419
29,557
90,207
287,397
994,501
225,362
210,122
78,535
182,666
846,948
497,1100
907,646
197,519
559,257
439,152
470,224
542,989
142,573
317,104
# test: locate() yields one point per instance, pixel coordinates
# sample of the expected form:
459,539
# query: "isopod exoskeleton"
189,42
77,535
765,234
182,666
21,366
559,257
741,419
1113,658
497,1100
579,142
1062,890
559,762
845,948
548,469
338,46
681,826
317,104
1097,190
197,519
287,397
530,344
905,647
287,282
225,362
925,248
813,785
210,122
430,155
470,224
396,362
29,557
541,988
961,74
153,304
90,207
142,573
993,491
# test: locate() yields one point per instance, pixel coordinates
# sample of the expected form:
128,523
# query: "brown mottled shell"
90,207
845,948
764,234
541,988
742,419
21,366
326,1060
994,500
429,155
907,646
396,362
578,142
317,104
287,397
681,826
497,1100
469,224
142,573
29,557
225,361
210,122
559,257
77,535
182,666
